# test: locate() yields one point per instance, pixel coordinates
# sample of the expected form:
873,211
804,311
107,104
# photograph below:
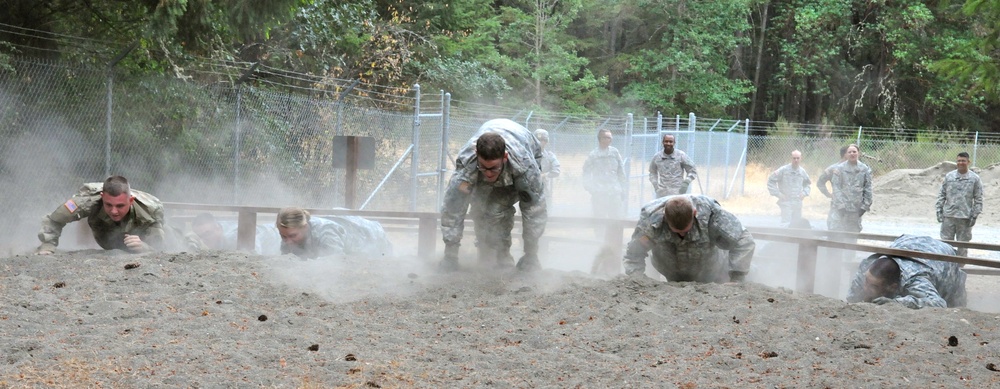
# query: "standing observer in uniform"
671,171
790,184
604,177
308,236
120,218
550,164
913,282
692,239
851,181
497,168
959,202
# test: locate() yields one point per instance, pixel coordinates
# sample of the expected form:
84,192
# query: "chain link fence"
271,143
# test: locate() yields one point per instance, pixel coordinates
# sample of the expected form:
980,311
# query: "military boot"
450,261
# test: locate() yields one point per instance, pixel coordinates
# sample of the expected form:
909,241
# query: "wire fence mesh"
268,143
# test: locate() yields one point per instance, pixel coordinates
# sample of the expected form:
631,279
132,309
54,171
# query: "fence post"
238,134
414,157
858,141
628,152
659,122
746,151
975,148
111,82
443,162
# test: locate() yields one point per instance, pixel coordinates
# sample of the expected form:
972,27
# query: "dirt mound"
106,319
911,193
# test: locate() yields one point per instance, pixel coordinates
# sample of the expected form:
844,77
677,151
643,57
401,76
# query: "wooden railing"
808,241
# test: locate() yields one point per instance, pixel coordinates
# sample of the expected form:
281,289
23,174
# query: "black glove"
737,276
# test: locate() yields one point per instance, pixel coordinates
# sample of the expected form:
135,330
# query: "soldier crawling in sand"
692,239
120,218
308,236
913,282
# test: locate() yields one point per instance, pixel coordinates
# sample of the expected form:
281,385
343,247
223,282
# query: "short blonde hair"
292,217
678,212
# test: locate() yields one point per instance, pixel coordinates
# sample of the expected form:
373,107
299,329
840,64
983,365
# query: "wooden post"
246,232
427,236
350,190
806,269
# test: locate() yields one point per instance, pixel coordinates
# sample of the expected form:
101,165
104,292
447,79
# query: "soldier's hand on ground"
43,252
134,243
882,300
737,276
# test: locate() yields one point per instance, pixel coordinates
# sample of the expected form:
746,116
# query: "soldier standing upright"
497,168
790,184
959,202
913,282
604,177
671,171
692,239
851,181
550,164
120,218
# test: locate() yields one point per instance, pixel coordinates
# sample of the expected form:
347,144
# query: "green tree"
685,66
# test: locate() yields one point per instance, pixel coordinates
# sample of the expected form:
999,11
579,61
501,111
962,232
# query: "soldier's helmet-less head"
293,225
542,135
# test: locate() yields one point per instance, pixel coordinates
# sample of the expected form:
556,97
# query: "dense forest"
930,65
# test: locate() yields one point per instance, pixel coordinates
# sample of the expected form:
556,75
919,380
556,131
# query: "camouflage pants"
957,229
841,220
605,205
493,212
791,210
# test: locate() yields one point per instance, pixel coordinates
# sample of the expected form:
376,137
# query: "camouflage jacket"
145,219
852,186
521,174
341,235
668,172
789,184
550,164
714,228
604,173
961,196
923,282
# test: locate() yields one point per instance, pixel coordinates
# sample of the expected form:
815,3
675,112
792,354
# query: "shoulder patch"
70,205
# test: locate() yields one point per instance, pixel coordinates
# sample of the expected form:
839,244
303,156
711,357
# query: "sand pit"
108,319
911,193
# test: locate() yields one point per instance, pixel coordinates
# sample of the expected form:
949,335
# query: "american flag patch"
70,205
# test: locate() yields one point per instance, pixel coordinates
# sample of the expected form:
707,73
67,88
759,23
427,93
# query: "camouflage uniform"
671,173
716,247
145,219
492,204
790,185
551,169
341,235
958,205
267,240
604,177
923,282
851,197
